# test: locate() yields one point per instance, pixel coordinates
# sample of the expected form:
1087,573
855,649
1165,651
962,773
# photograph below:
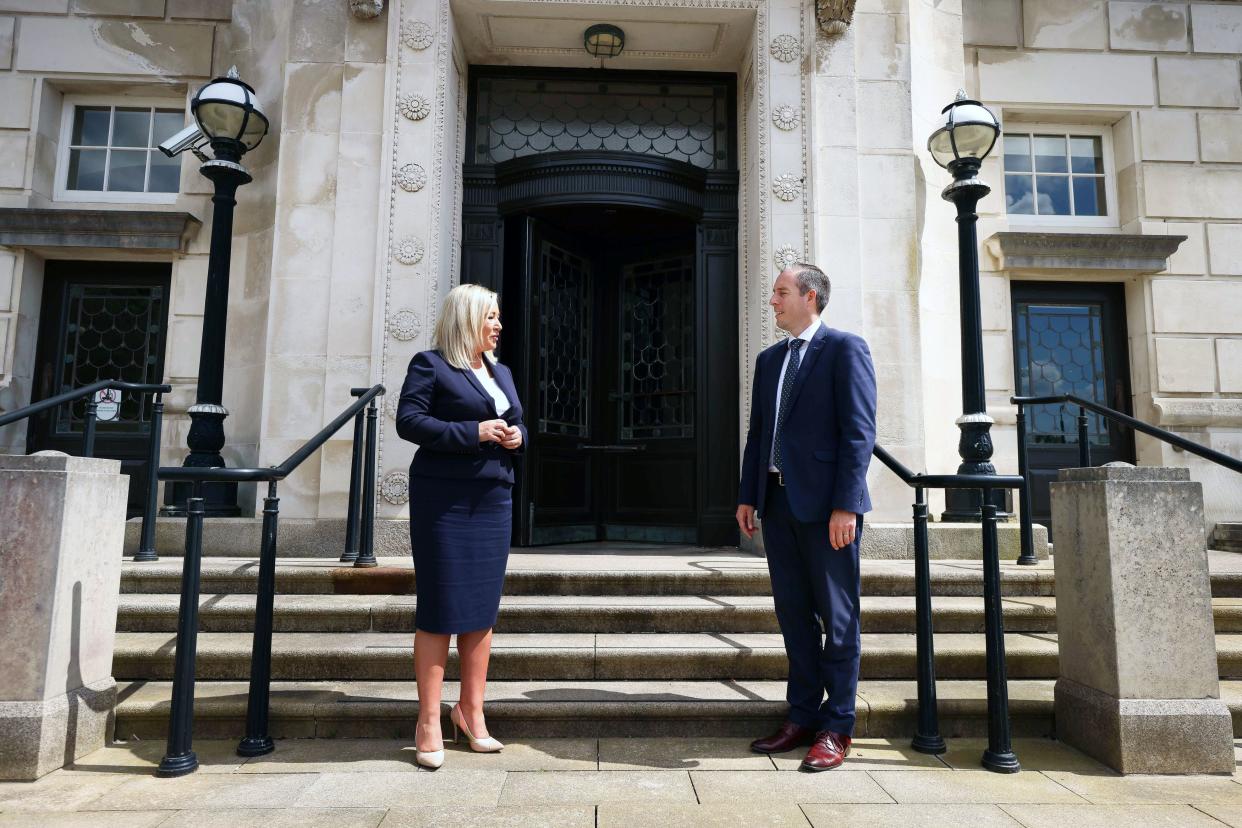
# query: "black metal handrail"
999,755
179,757
146,543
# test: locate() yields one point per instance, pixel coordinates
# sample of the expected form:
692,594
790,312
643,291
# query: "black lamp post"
230,119
967,136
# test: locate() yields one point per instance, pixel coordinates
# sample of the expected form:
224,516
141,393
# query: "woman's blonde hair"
460,324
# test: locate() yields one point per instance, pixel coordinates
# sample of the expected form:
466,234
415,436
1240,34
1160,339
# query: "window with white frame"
110,152
1059,175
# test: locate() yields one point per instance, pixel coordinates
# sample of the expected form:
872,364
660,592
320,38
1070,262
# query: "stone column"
62,528
1138,685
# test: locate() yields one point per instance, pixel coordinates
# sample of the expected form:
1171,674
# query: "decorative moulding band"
108,229
1121,253
1174,412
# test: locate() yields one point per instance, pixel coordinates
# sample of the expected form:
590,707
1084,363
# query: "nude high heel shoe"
430,759
485,745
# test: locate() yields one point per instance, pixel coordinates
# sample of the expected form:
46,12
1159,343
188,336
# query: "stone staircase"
1227,537
621,640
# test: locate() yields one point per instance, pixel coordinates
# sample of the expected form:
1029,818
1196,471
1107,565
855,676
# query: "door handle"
612,449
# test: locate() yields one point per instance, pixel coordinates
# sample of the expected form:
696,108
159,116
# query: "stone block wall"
1163,80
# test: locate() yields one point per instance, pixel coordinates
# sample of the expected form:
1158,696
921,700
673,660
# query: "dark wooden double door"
1070,339
609,367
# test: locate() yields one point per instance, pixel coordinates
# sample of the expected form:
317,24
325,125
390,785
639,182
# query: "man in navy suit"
804,473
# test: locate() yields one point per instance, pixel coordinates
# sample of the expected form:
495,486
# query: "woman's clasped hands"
498,431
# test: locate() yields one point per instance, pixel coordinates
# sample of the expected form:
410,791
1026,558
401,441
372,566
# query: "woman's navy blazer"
440,410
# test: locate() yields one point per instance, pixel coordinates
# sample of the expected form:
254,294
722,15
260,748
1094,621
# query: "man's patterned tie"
791,371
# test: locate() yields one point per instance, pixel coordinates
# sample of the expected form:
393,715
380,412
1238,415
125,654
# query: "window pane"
127,171
1052,195
1050,153
165,173
1018,198
132,128
1089,197
90,126
1087,154
168,122
86,169
1017,153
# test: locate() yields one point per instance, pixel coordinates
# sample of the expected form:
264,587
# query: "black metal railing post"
146,542
179,758
355,485
999,755
88,431
257,742
366,552
1026,529
927,738
1084,439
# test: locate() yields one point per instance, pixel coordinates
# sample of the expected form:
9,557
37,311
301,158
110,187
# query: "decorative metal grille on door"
657,349
515,117
110,332
564,343
1060,350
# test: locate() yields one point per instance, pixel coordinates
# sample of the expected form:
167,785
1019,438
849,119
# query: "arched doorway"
618,277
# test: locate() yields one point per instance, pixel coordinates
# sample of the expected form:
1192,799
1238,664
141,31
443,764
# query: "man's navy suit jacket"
829,427
440,410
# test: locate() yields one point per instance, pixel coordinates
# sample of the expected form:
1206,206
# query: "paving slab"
527,755
89,819
1231,815
909,816
271,818
59,791
705,753
1110,816
143,757
730,787
1034,754
593,788
559,816
972,786
758,815
209,792
871,755
1136,789
402,790
335,756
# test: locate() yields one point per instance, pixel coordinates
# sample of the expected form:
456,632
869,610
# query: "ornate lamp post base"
205,440
975,449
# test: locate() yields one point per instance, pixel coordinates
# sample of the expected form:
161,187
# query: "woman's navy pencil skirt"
460,532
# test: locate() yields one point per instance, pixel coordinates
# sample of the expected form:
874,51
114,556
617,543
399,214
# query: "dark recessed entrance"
617,271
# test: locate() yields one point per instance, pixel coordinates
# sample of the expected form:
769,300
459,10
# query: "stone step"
583,614
594,614
585,656
517,710
735,574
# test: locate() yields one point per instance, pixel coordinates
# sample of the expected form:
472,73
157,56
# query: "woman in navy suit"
460,406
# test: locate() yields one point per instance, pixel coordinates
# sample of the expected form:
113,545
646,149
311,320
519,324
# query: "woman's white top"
489,385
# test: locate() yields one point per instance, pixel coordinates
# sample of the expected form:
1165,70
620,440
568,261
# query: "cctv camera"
190,138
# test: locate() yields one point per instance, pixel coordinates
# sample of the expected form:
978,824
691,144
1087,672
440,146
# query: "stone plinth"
62,527
1138,685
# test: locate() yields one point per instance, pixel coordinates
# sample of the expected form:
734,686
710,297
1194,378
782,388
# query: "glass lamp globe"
604,40
226,110
970,130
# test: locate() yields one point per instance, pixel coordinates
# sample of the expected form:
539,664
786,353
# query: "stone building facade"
353,228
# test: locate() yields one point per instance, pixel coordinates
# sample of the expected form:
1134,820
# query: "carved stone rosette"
414,107
787,187
408,251
405,325
417,35
395,487
786,117
785,48
411,178
785,257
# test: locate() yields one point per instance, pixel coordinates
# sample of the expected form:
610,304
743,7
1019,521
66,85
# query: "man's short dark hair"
811,277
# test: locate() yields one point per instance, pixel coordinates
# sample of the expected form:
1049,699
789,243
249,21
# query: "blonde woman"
461,408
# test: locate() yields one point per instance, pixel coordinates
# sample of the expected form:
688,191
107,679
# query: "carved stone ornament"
785,256
395,488
786,117
408,251
417,35
391,401
787,187
414,107
366,9
405,325
411,177
834,16
785,48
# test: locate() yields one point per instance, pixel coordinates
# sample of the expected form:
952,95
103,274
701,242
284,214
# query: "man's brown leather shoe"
828,751
787,737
